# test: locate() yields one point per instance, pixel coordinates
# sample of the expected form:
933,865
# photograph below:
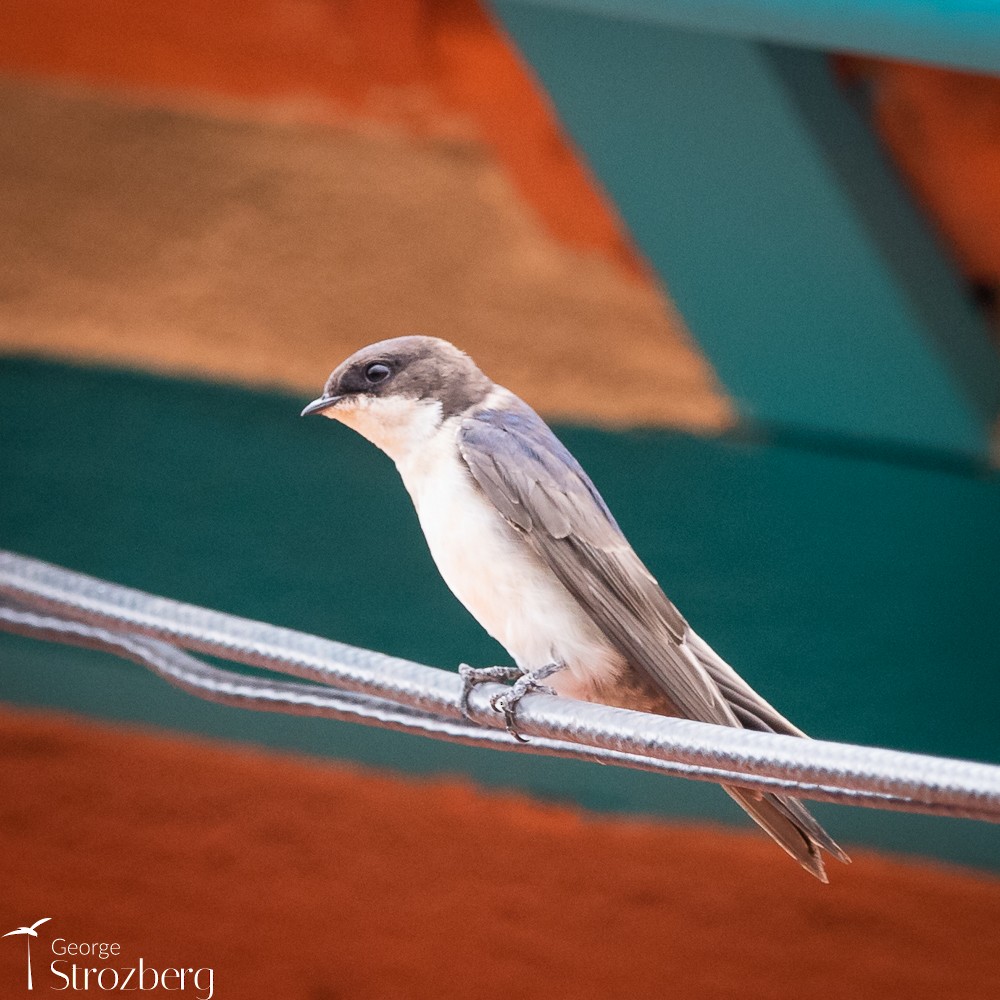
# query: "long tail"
791,826
785,819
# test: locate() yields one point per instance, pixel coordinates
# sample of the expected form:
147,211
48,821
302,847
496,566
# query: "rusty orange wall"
943,128
435,67
440,67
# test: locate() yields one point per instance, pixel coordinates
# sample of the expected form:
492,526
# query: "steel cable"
241,691
54,603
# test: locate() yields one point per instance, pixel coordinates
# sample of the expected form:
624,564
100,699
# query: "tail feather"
786,820
801,816
791,826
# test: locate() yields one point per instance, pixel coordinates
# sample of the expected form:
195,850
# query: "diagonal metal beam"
762,199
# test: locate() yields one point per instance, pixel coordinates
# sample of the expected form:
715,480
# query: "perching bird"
524,540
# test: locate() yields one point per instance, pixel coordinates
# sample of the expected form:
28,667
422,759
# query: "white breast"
490,569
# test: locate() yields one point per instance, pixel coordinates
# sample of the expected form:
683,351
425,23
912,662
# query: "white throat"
397,425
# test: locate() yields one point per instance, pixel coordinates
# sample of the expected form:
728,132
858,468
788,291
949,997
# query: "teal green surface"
960,33
859,595
763,200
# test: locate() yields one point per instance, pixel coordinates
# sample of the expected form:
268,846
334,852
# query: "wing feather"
542,491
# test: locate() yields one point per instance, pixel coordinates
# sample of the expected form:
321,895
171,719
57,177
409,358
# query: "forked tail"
791,826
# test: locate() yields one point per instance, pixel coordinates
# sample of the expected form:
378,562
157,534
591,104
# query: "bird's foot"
474,676
526,683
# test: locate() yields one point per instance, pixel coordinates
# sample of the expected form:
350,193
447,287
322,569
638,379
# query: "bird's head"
398,392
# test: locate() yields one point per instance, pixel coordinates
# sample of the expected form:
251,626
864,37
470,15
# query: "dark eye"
377,372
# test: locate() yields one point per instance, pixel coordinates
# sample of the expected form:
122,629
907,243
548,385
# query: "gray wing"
539,487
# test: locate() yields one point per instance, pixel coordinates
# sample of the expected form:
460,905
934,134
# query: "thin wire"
238,690
399,694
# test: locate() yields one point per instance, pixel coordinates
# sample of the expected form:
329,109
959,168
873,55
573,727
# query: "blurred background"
752,281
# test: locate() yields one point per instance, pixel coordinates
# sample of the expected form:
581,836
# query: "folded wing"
542,491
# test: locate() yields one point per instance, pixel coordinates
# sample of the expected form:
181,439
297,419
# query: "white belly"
495,575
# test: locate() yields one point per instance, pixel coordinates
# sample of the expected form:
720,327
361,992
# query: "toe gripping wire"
337,681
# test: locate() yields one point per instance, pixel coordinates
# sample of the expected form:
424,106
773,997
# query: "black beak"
321,404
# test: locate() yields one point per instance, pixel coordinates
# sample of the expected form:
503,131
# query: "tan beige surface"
265,254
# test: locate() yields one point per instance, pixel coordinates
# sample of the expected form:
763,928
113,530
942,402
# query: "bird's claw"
502,703
474,676
507,702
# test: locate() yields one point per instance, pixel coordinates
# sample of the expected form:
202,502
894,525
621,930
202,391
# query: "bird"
29,933
525,541
32,930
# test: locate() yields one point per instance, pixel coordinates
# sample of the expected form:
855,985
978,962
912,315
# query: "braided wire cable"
346,682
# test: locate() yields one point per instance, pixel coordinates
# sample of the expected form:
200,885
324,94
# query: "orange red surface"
300,879
437,66
943,129
310,880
